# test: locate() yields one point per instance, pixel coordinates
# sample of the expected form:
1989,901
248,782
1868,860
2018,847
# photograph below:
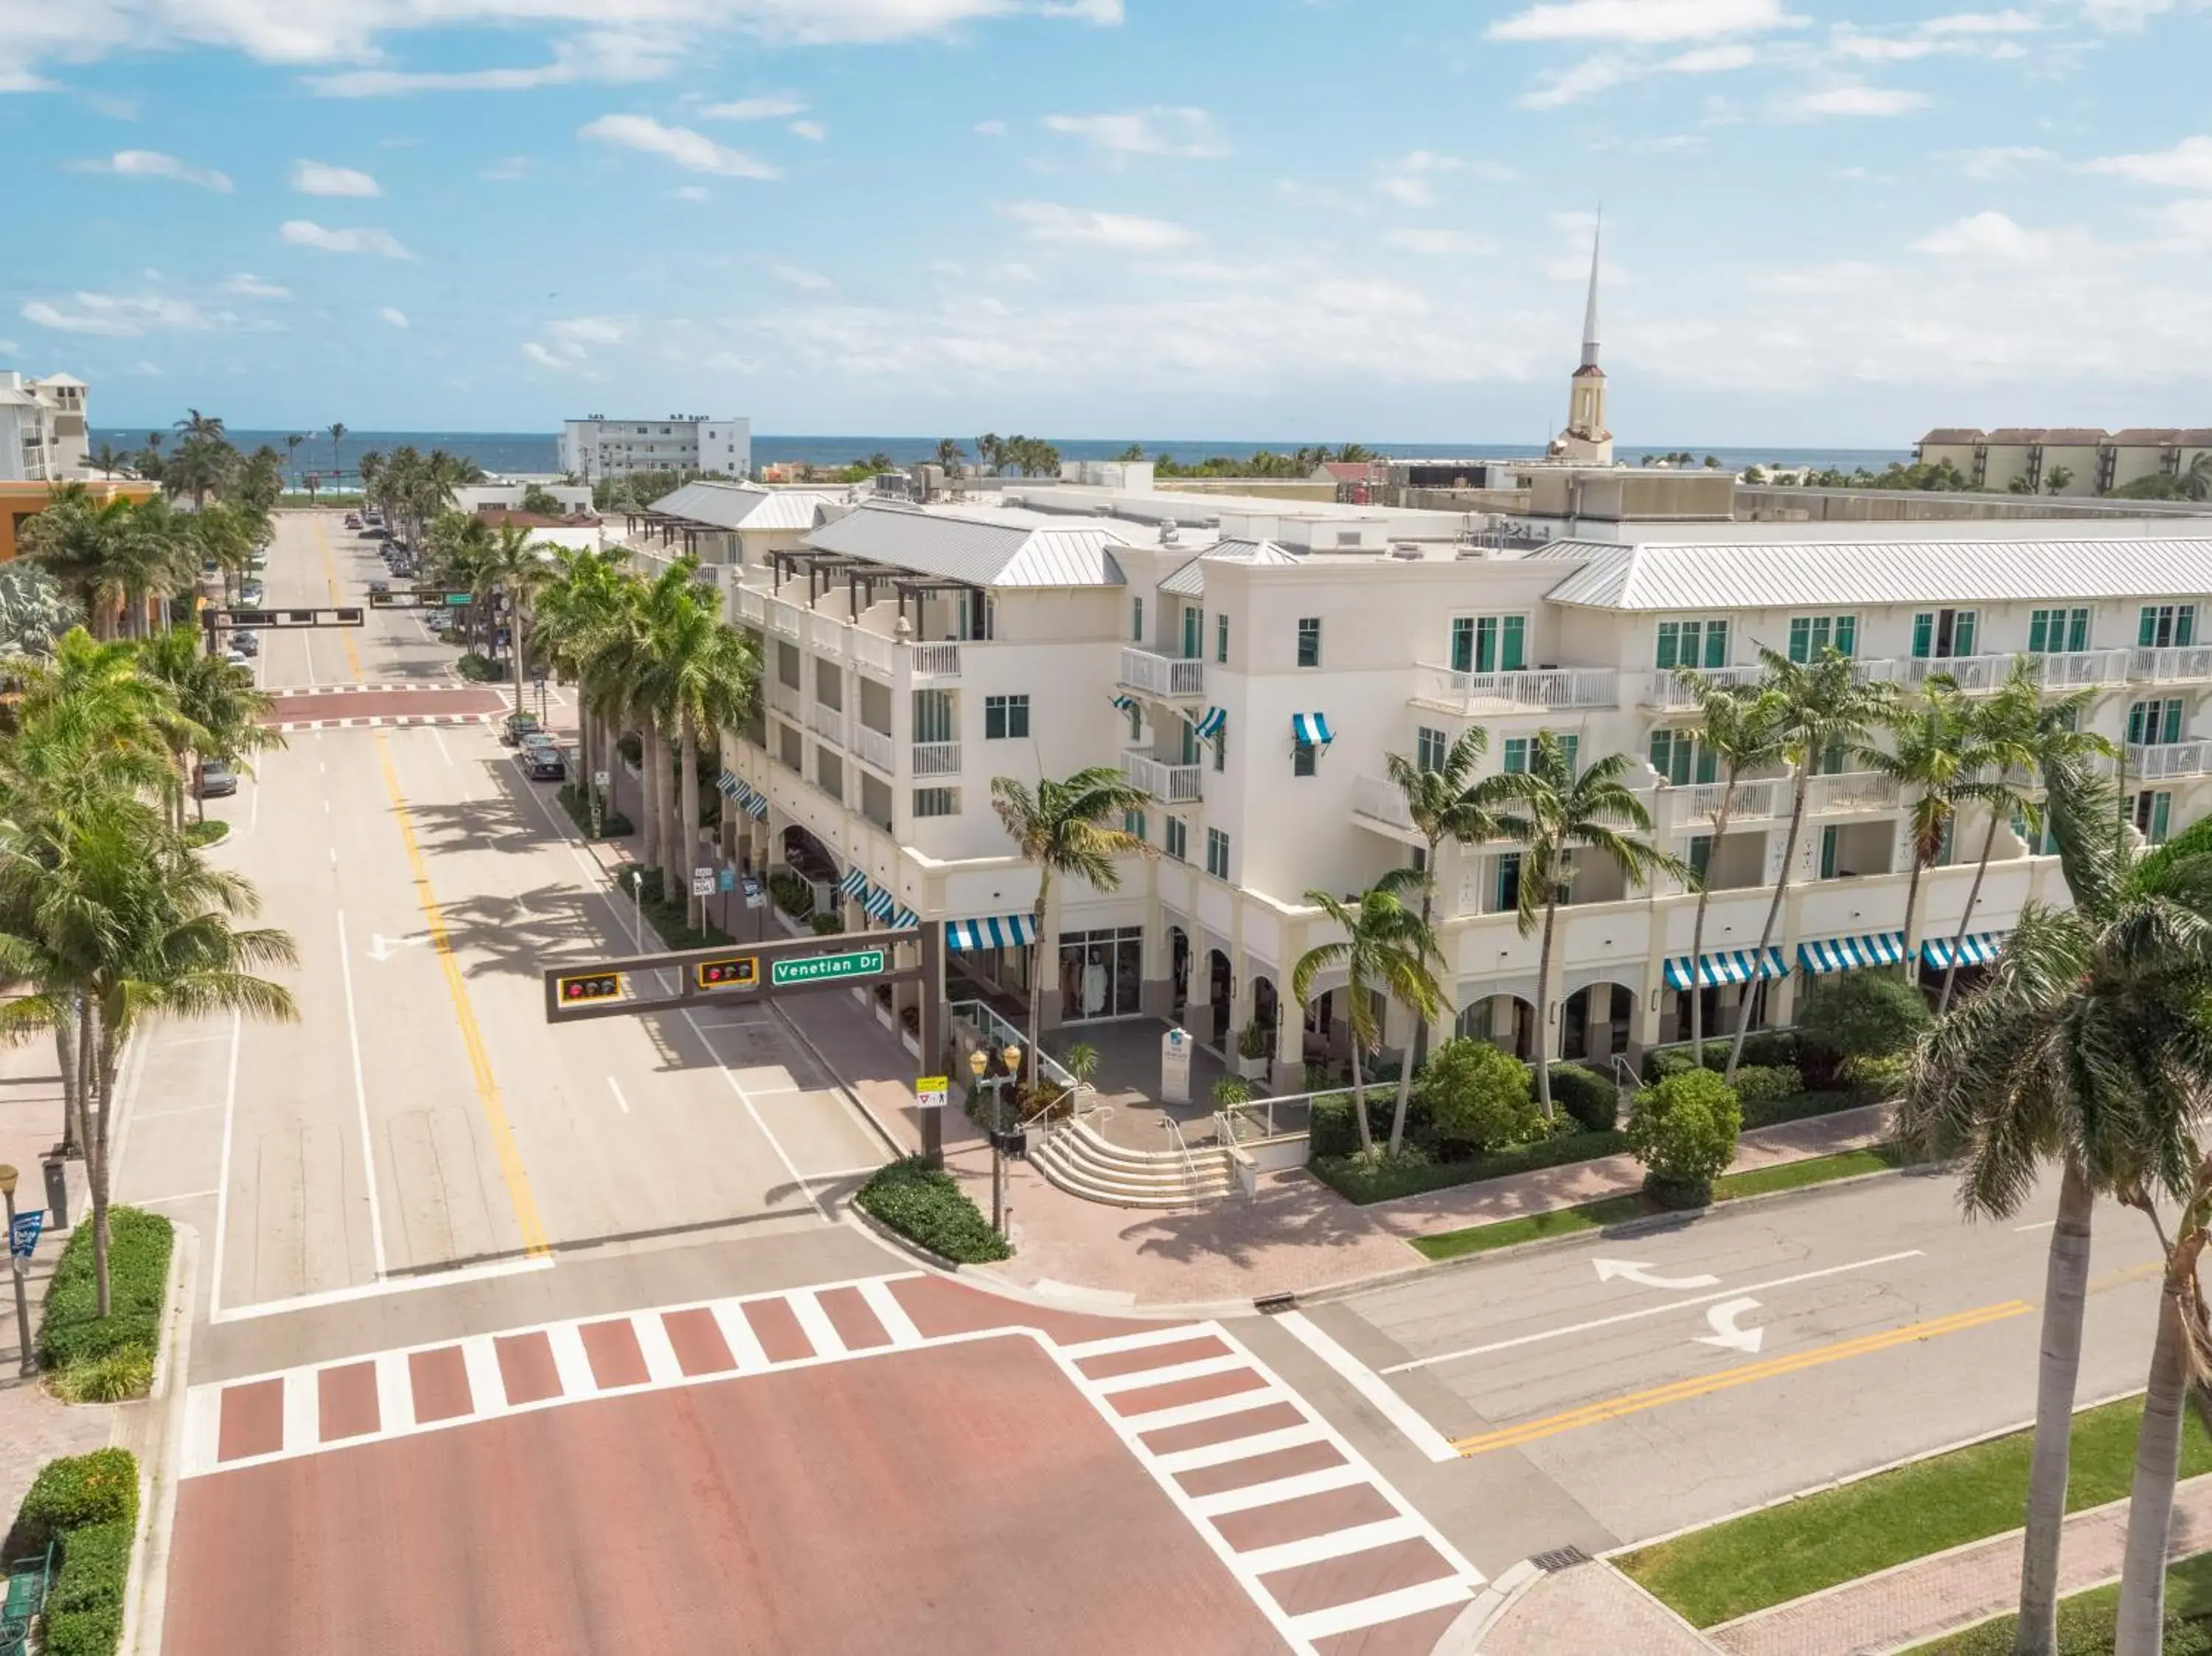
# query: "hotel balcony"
1754,801
1168,678
2154,762
874,749
786,700
1665,692
1535,691
829,723
1171,784
1377,803
937,759
1847,793
2187,664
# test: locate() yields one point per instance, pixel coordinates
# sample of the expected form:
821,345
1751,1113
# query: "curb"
145,1608
1469,1628
883,1232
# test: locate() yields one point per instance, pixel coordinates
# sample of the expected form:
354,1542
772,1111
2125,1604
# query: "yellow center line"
331,575
1744,1374
534,1241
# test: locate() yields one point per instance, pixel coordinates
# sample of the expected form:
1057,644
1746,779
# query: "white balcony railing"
873,747
1171,784
826,634
1163,675
784,698
2072,669
1754,801
2149,761
788,619
871,652
828,722
935,660
2183,663
1539,688
1975,673
1852,791
1379,800
937,759
752,605
1666,691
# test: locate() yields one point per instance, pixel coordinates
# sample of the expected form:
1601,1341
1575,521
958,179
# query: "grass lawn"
1615,1209
1769,1557
2085,1619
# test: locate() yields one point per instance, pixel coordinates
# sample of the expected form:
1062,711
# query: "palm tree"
1821,708
1937,758
1736,724
2089,1050
704,676
1385,946
338,436
196,424
74,541
107,460
203,465
1069,829
1447,802
516,566
292,441
221,710
34,611
1554,814
571,613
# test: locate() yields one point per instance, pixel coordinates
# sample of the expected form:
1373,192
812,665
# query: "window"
1429,748
1309,641
1520,748
933,716
2154,722
2051,632
1136,621
2153,811
1505,883
1221,639
1828,837
1679,757
1193,632
1810,634
1005,718
1701,854
1132,824
1301,759
1942,633
1178,839
1417,858
1489,643
1136,722
937,802
2166,626
1221,747
1189,756
1217,853
1703,644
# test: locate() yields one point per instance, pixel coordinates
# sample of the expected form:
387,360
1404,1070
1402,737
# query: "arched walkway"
1266,1008
808,856
1595,1022
1220,994
1503,1021
1178,973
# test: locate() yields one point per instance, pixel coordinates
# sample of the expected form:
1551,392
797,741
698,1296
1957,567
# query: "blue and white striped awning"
1850,954
1210,726
1976,948
906,919
1125,702
755,803
1730,966
994,931
877,904
855,885
1310,729
730,785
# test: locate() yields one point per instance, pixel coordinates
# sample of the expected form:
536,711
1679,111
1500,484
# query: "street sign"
600,778
933,1092
725,878
752,887
737,971
589,986
458,600
703,882
827,968
23,1239
538,679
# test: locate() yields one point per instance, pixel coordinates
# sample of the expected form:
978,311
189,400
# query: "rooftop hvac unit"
1412,553
1168,533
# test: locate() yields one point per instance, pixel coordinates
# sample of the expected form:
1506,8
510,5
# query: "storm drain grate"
1560,1558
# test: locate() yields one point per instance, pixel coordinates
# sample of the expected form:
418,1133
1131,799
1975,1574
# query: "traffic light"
590,987
742,972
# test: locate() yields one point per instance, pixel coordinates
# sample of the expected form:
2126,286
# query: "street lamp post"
1010,1055
15,1269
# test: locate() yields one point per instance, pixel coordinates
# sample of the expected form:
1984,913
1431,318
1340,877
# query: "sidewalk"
1589,1607
1921,1600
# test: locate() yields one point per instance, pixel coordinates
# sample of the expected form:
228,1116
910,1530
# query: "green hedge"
72,1330
479,669
667,918
926,1205
613,825
1587,1096
84,1611
75,1493
1358,1181
207,832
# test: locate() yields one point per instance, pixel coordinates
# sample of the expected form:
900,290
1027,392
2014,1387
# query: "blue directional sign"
727,880
23,1239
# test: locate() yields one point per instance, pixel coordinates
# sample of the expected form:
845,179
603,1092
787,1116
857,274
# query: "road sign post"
18,1261
827,968
703,882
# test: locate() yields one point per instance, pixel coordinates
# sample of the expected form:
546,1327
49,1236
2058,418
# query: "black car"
380,587
542,764
515,726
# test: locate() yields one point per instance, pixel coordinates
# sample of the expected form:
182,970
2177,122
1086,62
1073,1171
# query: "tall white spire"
1589,315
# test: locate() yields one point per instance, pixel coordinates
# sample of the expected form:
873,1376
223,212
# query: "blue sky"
1827,221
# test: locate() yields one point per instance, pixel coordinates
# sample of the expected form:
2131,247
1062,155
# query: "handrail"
984,1019
1625,1080
1189,1163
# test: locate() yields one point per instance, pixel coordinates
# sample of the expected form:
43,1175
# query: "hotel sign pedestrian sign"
933,1092
826,968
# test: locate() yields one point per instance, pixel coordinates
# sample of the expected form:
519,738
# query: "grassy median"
2086,1620
1780,1553
1618,1209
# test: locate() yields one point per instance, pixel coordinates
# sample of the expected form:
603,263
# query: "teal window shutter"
2147,628
2039,632
2184,624
1827,853
2137,712
1516,754
1485,644
1662,748
1716,644
1962,633
1514,656
1800,638
2173,719
1670,645
1847,632
2077,631
1708,765
1569,744
2161,806
1924,635
1462,645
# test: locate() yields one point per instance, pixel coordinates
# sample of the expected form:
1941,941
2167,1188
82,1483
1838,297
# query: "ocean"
524,454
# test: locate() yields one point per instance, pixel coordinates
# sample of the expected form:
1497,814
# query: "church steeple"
1590,311
1586,441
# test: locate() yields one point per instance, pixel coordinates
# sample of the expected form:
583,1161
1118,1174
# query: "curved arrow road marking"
1725,1333
1637,1271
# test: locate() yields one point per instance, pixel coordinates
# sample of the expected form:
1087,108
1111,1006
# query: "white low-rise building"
42,428
597,447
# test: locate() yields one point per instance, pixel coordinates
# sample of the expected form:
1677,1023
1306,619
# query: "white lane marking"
1384,1607
1643,1276
181,1196
661,1368
1651,1311
222,1176
253,815
1113,1343
1239,1448
1336,1544
814,1322
1722,1319
1188,1414
753,1110
1409,1420
1294,1487
440,740
745,1349
570,1361
395,1392
361,1105
617,1091
889,1313
846,1173
487,1387
1197,1368
190,1040
184,1109
2040,1224
303,1412
203,1426
377,1290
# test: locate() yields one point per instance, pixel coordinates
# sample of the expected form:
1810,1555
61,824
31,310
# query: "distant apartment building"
2064,460
42,428
686,444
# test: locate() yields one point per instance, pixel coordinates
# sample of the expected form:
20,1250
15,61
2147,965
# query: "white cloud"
392,316
2187,166
147,369
314,179
1406,180
2009,22
1162,130
1048,221
575,332
1598,74
513,170
152,164
306,233
600,55
812,131
543,358
772,106
994,129
1847,99
793,276
692,192
252,287
1999,161
1642,20
1987,238
1440,243
125,316
693,151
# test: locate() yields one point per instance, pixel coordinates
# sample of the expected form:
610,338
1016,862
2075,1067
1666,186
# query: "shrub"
1587,1096
792,895
824,924
73,1330
630,747
1878,1078
1684,1131
1255,1042
1759,1084
1480,1096
75,1493
1358,1179
1334,1133
613,825
926,1205
209,833
479,668
115,1378
1230,1091
1868,1014
1770,1048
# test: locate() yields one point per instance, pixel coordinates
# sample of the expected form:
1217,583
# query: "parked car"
353,520
247,644
216,778
252,594
238,657
542,764
515,726
380,587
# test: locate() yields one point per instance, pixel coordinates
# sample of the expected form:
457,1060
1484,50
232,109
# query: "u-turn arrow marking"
1643,1275
1725,1333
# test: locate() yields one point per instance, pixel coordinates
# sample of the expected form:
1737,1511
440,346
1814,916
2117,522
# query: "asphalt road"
1617,1390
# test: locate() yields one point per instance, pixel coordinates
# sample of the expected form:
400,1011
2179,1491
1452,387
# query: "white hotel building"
1250,663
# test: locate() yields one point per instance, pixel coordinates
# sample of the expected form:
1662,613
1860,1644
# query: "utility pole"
16,1267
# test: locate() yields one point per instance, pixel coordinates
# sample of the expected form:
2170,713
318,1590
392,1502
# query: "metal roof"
745,505
1767,574
1189,580
982,546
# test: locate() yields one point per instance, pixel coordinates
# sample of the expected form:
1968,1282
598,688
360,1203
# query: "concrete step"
1076,1159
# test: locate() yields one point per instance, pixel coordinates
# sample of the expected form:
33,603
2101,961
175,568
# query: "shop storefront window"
1101,973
